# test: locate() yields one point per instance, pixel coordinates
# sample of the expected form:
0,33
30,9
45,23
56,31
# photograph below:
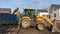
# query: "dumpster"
8,19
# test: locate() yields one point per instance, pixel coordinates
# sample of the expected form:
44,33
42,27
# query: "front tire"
40,27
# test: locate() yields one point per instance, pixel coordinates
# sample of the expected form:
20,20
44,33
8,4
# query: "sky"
37,4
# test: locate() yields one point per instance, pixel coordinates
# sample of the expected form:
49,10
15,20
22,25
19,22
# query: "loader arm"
17,13
43,18
16,10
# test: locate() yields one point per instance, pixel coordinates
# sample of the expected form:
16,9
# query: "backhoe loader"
30,19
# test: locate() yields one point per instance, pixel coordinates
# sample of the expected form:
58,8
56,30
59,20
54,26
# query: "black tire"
40,27
25,23
49,28
33,23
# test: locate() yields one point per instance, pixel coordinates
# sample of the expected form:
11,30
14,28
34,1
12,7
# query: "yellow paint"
43,18
26,17
38,18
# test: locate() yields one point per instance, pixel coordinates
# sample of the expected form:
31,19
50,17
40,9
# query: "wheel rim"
25,23
40,27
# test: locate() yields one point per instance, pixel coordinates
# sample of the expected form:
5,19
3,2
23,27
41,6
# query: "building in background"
54,12
5,10
42,12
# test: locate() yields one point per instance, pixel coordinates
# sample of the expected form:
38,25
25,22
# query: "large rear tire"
25,23
40,27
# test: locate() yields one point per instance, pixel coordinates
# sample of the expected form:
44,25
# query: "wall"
54,10
42,13
50,12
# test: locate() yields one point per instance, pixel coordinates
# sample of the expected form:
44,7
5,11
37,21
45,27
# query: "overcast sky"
38,4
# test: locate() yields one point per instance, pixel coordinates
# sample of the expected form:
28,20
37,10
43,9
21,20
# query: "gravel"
14,30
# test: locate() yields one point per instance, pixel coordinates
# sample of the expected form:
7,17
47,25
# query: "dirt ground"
14,30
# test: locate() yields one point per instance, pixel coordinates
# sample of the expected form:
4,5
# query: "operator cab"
29,12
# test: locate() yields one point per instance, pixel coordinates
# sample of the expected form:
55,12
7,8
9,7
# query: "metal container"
8,19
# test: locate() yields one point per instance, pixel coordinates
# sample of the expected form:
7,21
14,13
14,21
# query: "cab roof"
29,8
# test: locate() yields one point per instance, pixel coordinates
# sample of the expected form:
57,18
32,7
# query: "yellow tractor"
30,19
